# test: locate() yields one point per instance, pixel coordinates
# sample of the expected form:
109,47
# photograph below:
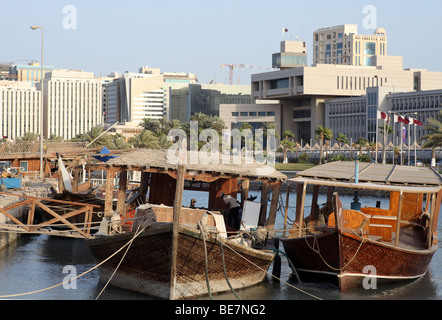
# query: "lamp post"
41,103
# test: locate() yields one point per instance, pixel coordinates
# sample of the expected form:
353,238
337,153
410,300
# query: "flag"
417,122
395,118
284,30
403,120
383,116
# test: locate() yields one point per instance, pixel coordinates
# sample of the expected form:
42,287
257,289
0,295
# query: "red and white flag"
383,116
284,30
403,120
417,122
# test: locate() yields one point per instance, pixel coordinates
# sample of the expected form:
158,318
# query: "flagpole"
377,129
415,152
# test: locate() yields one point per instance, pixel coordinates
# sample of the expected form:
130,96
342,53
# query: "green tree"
433,139
97,138
342,138
322,134
145,140
29,137
361,143
117,142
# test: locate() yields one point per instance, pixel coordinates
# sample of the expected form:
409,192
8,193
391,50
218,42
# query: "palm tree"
322,134
360,143
96,137
149,124
287,144
342,138
433,139
117,142
145,140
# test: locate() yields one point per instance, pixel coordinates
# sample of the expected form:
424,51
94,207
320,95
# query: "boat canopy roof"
161,161
373,176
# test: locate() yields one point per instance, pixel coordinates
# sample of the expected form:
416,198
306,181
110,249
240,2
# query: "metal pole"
415,152
409,144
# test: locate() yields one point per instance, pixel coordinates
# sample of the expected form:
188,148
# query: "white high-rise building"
19,109
72,103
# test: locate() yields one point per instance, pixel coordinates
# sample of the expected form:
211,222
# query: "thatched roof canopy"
160,161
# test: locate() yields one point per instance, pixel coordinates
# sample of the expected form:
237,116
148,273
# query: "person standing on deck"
234,205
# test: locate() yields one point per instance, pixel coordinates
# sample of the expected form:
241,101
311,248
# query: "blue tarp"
11,183
104,155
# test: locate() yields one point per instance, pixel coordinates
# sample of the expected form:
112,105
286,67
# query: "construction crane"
233,66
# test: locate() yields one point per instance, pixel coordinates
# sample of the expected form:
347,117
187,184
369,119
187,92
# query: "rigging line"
81,275
300,290
225,272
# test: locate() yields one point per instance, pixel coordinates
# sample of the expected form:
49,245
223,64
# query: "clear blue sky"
198,36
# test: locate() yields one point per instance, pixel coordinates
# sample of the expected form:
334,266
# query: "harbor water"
35,266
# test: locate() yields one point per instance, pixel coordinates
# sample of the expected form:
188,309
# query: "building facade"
357,117
72,103
28,73
303,91
293,54
19,109
206,98
342,45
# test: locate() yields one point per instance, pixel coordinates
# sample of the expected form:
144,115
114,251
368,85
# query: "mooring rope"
266,271
79,276
118,266
318,251
205,259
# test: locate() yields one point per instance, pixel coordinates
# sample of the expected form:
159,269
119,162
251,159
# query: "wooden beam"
121,202
109,198
264,193
300,213
276,190
286,213
399,215
176,223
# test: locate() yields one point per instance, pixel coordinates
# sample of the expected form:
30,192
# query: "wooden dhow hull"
345,260
146,267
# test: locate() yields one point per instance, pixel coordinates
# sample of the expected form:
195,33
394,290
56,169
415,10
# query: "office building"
356,117
28,73
293,54
206,98
343,45
303,91
19,109
72,103
131,97
256,114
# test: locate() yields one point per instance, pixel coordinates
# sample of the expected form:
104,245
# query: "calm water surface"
37,262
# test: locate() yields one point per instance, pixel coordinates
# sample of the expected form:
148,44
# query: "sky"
198,36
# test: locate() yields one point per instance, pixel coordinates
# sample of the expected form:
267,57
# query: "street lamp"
41,102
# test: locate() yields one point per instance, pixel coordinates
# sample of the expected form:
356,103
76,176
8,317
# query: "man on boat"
234,206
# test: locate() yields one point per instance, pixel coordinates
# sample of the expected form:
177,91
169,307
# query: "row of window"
359,83
254,114
398,104
347,108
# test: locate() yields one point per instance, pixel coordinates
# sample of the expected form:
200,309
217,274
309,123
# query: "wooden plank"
18,222
61,218
46,199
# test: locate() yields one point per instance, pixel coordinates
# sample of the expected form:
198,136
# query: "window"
252,114
271,114
24,166
244,114
279,84
235,114
261,114
370,48
302,114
